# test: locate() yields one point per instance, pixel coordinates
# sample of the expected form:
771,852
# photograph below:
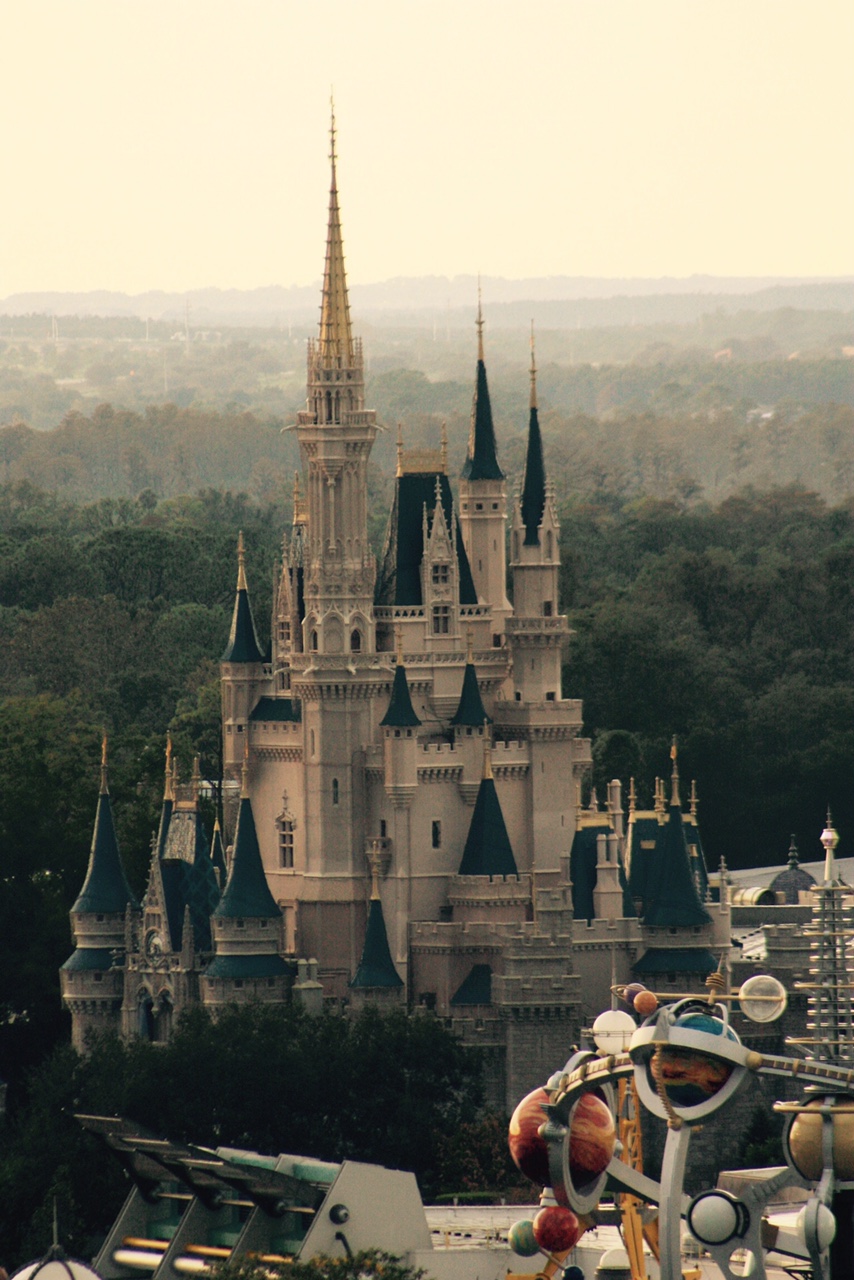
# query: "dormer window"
441,574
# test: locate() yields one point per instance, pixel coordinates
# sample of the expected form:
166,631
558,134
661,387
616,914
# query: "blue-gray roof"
289,709
476,987
400,713
376,967
470,712
243,643
481,460
533,502
87,959
247,892
399,577
251,966
676,960
105,890
488,851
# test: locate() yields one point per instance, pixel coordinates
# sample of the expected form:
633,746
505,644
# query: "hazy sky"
182,143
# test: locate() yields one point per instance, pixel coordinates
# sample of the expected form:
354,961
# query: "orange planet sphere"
556,1230
645,1003
592,1138
690,1077
530,1152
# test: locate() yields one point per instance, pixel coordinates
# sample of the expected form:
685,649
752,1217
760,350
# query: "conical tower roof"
335,344
218,855
672,900
488,851
247,892
376,967
243,643
533,501
470,711
105,890
400,713
481,459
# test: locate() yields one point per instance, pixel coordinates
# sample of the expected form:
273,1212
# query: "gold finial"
479,321
332,154
174,778
659,799
533,371
674,777
244,772
400,448
104,787
487,752
241,563
593,807
398,636
694,799
217,827
444,448
470,646
632,798
196,778
168,785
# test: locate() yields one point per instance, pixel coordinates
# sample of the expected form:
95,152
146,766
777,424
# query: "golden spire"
674,777
244,772
398,636
400,448
694,799
487,752
241,563
168,785
479,321
533,371
444,448
632,799
104,787
658,804
336,338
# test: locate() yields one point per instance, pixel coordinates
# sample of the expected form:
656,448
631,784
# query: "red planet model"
529,1151
556,1230
592,1138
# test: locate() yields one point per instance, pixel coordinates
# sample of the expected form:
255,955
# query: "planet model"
529,1151
645,1003
521,1239
632,992
805,1141
556,1230
592,1138
689,1077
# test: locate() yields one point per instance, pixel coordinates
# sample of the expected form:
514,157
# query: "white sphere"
826,1225
613,1030
714,1218
762,998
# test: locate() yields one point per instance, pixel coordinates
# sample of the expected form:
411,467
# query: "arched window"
312,642
334,790
355,641
549,544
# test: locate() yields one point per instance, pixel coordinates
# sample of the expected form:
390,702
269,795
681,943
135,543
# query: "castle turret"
247,926
488,851
672,899
400,744
242,668
376,978
483,499
91,978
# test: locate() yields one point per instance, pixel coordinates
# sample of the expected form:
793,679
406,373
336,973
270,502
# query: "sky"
180,144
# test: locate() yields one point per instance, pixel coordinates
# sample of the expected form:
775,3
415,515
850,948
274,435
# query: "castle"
408,829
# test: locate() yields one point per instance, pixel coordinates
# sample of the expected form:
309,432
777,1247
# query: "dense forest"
707,513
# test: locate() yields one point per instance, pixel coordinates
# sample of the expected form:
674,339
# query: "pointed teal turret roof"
247,892
168,800
105,889
470,712
376,967
243,643
400,713
488,851
533,501
481,458
218,856
672,900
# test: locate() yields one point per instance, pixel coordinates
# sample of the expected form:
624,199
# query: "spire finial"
479,321
398,637
374,860
241,563
829,839
196,778
332,155
444,448
470,646
794,860
533,371
632,798
694,799
168,785
400,448
487,752
244,772
674,777
104,786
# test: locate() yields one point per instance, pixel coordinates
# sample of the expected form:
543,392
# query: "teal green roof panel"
399,577
243,643
476,987
676,960
481,460
470,711
400,713
534,486
376,967
247,892
672,900
278,709
247,967
89,959
105,890
488,851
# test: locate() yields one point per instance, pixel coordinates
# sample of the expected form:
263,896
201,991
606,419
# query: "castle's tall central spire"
335,347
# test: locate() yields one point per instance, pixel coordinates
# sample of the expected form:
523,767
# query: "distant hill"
554,302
